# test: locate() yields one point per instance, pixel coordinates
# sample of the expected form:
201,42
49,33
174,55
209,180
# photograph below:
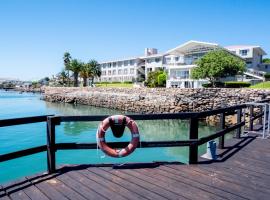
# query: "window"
176,59
114,64
131,71
125,63
109,72
168,60
125,71
157,59
120,63
103,73
132,62
120,71
114,72
109,65
244,52
149,69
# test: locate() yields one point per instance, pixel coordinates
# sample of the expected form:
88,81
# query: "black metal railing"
193,142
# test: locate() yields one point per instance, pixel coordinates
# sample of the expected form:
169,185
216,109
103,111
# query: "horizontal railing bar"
220,110
25,120
222,132
257,116
133,116
21,153
65,146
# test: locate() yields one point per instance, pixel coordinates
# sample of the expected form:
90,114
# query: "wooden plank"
149,186
155,176
130,185
169,191
15,189
242,177
56,184
201,185
79,188
3,194
108,184
34,193
95,186
222,184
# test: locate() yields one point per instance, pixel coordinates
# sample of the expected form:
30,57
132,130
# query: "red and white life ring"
103,127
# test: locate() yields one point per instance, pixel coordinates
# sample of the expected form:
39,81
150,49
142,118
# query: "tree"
156,78
63,76
217,64
67,58
266,60
162,79
94,70
84,73
75,66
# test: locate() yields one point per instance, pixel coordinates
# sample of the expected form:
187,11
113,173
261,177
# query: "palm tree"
67,58
94,70
84,73
75,66
62,76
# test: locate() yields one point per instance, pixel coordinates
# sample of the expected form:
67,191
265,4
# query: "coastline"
156,100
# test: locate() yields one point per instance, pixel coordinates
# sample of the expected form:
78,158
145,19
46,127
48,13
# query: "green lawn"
262,85
115,85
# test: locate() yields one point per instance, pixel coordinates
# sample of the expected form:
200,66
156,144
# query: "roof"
152,56
120,60
247,47
192,46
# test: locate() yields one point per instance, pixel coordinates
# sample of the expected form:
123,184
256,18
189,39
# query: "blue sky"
34,34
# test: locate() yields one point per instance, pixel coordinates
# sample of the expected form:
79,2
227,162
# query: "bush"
152,79
217,84
128,82
267,75
162,80
232,84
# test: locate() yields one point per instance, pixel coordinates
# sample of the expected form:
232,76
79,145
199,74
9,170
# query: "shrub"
217,84
162,79
232,84
267,75
152,79
128,82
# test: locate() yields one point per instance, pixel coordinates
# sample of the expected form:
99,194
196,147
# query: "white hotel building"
178,62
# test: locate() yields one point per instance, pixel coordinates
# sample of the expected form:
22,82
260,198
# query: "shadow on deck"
241,172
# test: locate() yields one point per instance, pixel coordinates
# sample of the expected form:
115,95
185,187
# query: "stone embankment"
157,100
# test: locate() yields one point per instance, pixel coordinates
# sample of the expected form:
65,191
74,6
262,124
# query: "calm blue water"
14,105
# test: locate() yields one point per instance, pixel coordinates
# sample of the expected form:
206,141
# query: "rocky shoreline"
156,100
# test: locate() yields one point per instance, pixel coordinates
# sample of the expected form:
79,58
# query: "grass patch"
262,85
115,85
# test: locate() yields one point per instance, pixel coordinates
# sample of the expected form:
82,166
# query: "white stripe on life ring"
116,119
101,139
135,135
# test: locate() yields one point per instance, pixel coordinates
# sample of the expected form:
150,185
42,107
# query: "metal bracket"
117,129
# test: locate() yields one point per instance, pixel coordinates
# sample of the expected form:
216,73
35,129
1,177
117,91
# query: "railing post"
251,114
222,126
260,118
51,145
239,117
193,134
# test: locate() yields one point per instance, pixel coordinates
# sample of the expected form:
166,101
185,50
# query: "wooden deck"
242,172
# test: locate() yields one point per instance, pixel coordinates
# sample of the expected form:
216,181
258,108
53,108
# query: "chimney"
150,51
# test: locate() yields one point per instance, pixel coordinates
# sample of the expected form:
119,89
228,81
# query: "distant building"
178,62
